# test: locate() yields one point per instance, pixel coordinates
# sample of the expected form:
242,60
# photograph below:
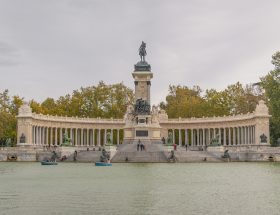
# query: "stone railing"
212,119
75,119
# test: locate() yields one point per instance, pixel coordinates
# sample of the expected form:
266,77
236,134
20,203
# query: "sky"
48,48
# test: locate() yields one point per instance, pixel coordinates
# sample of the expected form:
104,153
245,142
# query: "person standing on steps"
141,146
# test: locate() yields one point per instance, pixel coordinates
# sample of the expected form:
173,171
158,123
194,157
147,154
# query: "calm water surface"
226,188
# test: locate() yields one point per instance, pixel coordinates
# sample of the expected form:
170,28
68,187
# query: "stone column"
90,136
40,135
33,139
198,136
220,136
229,136
238,135
76,136
43,136
118,136
203,137
209,136
180,137
36,135
82,137
251,134
186,137
246,135
87,137
252,130
173,132
225,137
47,136
241,135
234,136
93,137
55,137
71,136
254,135
60,136
51,136
99,137
192,137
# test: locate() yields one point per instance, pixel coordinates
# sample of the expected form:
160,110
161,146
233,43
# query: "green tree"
8,111
271,84
183,101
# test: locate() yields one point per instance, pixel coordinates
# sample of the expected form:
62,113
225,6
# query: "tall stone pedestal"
142,123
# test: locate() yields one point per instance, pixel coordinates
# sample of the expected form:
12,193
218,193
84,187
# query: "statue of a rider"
142,51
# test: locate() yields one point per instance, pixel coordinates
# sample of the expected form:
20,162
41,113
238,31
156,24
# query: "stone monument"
142,122
24,118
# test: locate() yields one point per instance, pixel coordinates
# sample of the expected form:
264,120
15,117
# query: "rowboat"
102,164
48,163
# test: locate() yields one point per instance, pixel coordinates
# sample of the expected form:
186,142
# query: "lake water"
204,188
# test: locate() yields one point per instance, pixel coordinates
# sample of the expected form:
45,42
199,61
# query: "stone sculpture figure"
22,138
226,154
142,107
105,156
54,156
170,138
263,138
129,113
142,51
108,138
215,141
66,141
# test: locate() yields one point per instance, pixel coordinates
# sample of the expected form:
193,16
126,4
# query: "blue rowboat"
48,163
102,164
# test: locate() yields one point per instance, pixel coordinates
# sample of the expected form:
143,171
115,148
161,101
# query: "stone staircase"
196,156
85,156
153,153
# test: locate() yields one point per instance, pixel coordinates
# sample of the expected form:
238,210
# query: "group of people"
140,146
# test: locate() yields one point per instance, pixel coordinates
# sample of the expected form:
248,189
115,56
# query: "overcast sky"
49,48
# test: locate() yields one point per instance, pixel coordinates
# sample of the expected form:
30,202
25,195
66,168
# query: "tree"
183,101
271,84
276,60
8,111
